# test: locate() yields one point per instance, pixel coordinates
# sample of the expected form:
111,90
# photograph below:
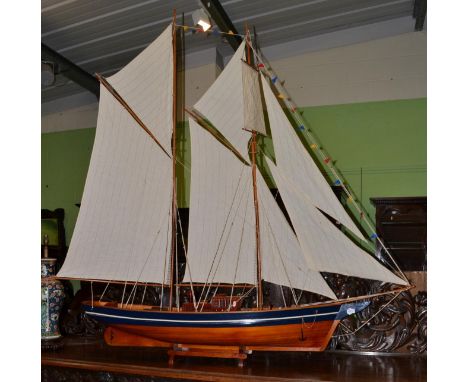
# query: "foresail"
146,85
230,101
221,239
295,162
123,228
325,247
283,262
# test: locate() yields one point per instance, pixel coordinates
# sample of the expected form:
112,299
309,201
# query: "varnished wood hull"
312,337
308,328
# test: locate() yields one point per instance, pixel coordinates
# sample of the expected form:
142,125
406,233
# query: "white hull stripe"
243,321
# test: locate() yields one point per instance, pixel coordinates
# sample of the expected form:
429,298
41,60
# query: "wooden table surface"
93,356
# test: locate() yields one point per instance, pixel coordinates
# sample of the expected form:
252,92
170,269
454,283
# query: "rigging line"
187,265
365,323
187,27
144,292
226,239
282,295
243,296
210,283
123,294
183,165
119,98
177,267
165,258
214,293
222,232
103,293
230,229
238,255
177,257
134,295
279,253
144,265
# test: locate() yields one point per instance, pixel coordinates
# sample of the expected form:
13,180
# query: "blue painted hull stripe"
240,321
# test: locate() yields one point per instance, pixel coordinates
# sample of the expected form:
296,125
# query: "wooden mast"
174,183
253,152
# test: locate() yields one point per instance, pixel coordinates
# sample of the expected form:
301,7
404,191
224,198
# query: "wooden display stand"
116,337
183,350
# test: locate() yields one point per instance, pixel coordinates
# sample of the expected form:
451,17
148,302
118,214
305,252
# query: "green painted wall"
378,147
385,140
64,165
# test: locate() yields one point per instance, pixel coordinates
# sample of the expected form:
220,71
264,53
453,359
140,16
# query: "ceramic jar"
52,299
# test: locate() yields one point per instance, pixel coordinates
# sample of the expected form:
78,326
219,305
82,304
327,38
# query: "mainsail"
123,230
221,239
222,224
233,102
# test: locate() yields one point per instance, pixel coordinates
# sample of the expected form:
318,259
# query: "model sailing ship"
238,237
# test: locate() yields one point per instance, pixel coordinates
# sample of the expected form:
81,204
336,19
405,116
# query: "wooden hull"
309,328
312,337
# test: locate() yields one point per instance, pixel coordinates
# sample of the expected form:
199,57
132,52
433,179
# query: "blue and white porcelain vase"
52,299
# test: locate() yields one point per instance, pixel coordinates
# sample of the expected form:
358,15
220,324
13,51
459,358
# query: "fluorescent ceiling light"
201,18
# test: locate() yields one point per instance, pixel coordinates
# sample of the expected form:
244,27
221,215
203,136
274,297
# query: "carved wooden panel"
401,224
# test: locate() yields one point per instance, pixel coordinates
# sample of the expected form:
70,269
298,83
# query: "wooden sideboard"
402,225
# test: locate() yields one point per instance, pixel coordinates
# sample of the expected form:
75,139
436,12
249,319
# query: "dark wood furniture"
401,224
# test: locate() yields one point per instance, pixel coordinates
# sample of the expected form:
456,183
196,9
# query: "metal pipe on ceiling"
71,70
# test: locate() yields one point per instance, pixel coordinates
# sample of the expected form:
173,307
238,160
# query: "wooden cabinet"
401,224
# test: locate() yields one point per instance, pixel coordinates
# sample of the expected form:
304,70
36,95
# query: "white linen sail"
253,108
146,85
231,101
123,230
283,262
326,248
221,240
294,160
